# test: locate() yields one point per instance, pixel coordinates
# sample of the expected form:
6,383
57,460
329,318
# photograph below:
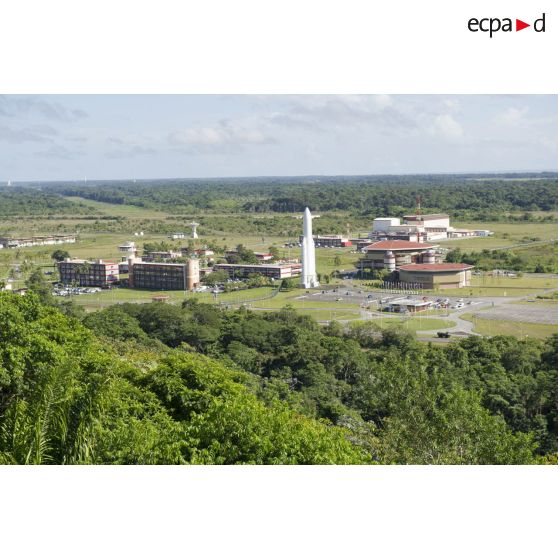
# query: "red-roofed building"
437,275
392,254
397,245
436,267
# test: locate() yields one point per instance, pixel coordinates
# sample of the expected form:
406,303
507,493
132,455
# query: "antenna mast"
419,210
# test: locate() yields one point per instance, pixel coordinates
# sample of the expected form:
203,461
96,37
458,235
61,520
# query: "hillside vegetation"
154,383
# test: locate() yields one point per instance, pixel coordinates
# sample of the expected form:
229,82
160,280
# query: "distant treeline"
23,201
465,196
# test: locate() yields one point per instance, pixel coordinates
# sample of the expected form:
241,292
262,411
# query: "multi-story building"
419,228
275,271
98,273
164,276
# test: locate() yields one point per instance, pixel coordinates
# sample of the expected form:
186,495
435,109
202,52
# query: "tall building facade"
165,276
97,273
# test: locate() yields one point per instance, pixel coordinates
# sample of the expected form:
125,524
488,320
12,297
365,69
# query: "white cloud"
328,112
225,135
511,117
36,106
12,135
446,126
452,104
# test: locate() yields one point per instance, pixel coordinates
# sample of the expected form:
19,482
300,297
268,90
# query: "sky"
70,137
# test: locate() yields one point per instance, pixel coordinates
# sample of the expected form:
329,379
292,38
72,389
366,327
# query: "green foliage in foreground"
67,398
155,383
474,401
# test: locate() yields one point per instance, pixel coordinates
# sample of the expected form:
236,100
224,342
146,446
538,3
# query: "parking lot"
546,314
378,300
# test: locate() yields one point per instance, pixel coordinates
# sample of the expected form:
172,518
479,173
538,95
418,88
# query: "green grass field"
326,258
516,329
415,324
502,286
515,233
117,296
327,315
119,210
299,301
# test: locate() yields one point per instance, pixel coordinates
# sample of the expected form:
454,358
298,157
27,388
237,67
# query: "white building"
383,224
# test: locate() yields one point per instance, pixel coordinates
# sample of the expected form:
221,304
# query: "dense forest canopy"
66,397
24,201
365,195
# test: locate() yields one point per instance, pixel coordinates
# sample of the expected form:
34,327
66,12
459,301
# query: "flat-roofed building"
408,305
460,233
329,240
200,252
275,271
434,220
434,276
128,247
161,256
96,273
47,240
435,225
165,276
383,224
360,243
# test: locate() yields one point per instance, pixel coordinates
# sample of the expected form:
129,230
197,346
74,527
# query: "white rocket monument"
308,278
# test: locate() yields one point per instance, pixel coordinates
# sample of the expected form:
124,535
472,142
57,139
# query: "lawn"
120,210
515,233
327,315
116,296
326,258
295,299
515,329
415,324
502,286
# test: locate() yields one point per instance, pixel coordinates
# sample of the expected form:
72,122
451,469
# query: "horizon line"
264,176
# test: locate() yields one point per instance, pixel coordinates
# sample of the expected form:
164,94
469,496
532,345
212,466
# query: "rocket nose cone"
307,211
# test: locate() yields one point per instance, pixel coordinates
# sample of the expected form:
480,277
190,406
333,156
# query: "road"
497,308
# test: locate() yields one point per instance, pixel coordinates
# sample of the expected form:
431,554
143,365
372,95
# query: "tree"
215,278
37,283
274,251
60,255
115,323
242,255
68,398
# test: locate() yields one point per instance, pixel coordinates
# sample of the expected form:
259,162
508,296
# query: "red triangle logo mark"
519,25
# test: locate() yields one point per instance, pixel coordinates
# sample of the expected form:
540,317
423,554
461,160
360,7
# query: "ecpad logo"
493,25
